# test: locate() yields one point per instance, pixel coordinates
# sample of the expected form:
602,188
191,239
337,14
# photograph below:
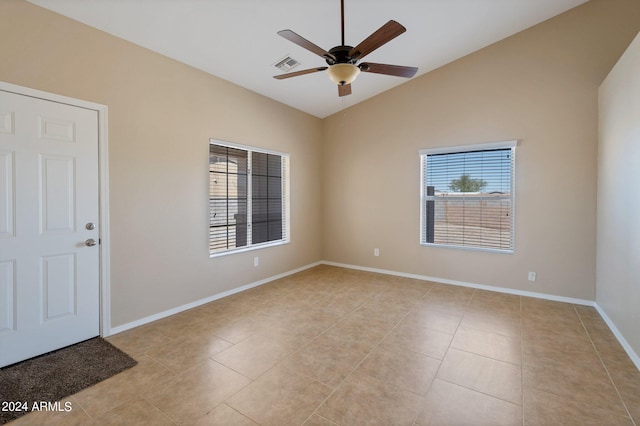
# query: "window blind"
467,197
266,198
228,169
248,203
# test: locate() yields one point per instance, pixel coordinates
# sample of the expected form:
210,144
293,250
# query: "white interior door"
49,271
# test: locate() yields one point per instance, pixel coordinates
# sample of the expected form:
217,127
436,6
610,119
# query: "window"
467,196
248,197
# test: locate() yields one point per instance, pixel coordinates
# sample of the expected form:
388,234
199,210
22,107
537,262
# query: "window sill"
250,248
485,249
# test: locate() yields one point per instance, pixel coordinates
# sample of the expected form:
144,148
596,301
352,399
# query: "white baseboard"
627,347
632,354
467,284
173,311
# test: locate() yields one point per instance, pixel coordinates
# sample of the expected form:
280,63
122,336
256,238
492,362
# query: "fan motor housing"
341,54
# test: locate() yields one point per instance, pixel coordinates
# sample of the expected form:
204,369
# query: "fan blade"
297,73
396,70
303,42
383,35
344,90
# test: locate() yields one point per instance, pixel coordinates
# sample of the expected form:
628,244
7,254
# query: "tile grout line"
159,409
180,373
483,356
454,335
363,360
369,355
95,417
480,392
604,365
415,420
323,418
81,407
479,355
435,376
280,362
450,346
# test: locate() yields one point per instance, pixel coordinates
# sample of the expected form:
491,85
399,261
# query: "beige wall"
161,116
539,86
355,175
618,276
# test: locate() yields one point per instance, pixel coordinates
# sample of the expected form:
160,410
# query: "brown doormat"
50,377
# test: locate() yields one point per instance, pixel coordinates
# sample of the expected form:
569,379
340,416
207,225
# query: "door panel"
6,195
7,297
59,286
56,129
57,191
6,122
49,277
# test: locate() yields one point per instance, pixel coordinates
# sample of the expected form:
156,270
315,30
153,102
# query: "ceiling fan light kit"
342,74
343,60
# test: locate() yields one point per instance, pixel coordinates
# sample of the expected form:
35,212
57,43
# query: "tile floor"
332,346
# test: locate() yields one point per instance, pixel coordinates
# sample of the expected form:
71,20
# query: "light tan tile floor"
332,346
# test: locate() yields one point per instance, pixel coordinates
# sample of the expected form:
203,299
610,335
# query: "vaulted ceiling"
237,39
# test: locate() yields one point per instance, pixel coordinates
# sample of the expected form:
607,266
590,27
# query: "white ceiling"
236,39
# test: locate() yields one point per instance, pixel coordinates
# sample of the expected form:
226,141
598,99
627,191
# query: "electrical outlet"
256,261
532,276
376,252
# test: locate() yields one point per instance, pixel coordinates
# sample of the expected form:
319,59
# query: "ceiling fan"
342,61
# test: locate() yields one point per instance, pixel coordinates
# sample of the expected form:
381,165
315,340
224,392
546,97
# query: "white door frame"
103,185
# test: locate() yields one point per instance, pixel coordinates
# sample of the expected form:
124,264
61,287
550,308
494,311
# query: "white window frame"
510,144
286,208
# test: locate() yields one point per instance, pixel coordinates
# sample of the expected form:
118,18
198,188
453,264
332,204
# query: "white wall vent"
286,64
